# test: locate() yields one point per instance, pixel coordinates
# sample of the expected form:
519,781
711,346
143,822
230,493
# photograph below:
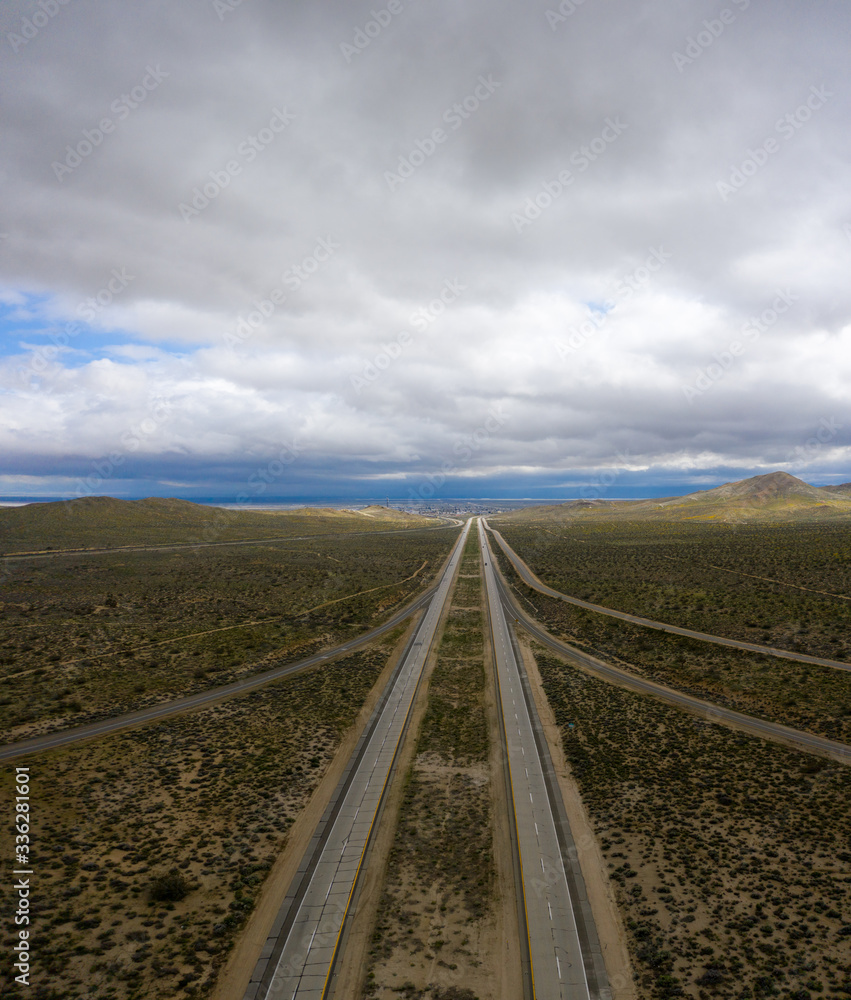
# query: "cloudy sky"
259,248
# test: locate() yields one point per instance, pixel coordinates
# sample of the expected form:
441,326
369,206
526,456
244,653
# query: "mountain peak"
771,486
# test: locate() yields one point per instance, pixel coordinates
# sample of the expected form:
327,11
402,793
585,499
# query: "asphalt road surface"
709,711
298,959
557,925
531,580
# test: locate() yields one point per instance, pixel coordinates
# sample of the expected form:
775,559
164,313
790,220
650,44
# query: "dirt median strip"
443,918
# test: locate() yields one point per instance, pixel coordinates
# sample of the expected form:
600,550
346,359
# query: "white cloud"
176,332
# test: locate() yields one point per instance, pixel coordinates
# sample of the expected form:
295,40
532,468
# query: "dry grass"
97,522
739,581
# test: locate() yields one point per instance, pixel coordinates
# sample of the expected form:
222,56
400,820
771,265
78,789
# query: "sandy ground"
445,947
231,628
667,626
236,974
607,917
714,846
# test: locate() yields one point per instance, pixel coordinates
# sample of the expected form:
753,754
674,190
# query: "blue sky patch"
31,325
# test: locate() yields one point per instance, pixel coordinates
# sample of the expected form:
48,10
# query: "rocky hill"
776,496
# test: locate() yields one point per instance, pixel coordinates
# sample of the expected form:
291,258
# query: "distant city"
438,507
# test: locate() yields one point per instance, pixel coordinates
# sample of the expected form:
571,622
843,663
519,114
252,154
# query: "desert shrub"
170,886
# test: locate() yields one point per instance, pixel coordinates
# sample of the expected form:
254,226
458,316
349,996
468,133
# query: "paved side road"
66,737
566,960
300,953
708,710
533,581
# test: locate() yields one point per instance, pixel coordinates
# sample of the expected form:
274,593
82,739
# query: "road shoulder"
235,975
610,929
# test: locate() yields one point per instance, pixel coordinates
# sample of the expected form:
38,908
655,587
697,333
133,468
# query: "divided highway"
563,948
298,960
